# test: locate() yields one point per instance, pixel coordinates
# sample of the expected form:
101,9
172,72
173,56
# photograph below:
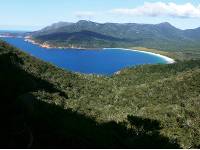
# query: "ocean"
101,62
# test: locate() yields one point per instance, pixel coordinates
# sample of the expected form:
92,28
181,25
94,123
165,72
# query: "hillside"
86,39
161,36
151,106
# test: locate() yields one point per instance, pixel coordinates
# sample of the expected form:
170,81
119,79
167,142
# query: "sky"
29,15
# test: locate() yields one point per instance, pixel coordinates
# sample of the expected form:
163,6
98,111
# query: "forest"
149,106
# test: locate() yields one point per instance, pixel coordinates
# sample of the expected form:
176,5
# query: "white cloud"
156,9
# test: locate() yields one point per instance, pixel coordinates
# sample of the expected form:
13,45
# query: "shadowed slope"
28,122
151,106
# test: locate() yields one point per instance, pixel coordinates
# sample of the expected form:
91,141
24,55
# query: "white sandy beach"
169,60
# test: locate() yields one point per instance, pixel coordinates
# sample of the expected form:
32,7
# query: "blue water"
104,62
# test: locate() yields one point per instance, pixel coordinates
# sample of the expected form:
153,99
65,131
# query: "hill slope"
162,36
80,39
151,106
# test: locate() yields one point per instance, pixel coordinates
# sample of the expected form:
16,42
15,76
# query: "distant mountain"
162,36
6,33
87,35
127,30
193,33
54,27
87,39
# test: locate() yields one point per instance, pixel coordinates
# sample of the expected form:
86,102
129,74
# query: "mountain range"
163,36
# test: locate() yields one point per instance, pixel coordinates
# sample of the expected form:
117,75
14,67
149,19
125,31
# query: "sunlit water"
105,62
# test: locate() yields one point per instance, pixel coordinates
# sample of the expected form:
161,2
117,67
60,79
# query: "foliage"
87,34
150,106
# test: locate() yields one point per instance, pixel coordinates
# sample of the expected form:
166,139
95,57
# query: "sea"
96,61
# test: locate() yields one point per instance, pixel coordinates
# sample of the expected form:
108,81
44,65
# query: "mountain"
150,106
193,33
80,39
5,33
55,26
128,31
161,36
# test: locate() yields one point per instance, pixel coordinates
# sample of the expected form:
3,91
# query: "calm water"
105,62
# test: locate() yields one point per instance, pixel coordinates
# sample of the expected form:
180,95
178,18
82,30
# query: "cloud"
157,9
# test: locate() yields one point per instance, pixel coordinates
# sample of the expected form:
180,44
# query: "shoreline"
30,40
47,46
167,59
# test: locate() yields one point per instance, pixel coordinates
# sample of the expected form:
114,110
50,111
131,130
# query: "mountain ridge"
162,36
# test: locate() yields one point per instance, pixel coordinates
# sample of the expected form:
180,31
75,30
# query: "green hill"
86,39
161,36
150,106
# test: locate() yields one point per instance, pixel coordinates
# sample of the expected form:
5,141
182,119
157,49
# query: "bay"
96,61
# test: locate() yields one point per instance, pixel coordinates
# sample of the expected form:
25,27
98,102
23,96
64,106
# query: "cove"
100,61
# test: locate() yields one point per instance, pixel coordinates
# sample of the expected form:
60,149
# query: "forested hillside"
150,106
161,36
83,39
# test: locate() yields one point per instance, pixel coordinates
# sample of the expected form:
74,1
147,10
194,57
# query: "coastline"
167,59
30,40
6,36
46,45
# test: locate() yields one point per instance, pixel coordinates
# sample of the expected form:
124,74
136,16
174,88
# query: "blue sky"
35,14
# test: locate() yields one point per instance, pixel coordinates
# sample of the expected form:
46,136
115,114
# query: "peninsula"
88,35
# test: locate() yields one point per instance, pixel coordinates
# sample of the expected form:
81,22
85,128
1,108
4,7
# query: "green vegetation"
150,106
83,39
162,36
